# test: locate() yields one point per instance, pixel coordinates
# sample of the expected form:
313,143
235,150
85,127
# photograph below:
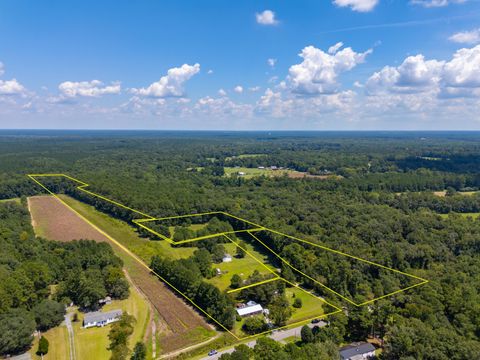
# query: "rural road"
68,323
277,336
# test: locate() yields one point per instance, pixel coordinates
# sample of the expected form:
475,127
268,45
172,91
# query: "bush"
297,303
254,325
42,346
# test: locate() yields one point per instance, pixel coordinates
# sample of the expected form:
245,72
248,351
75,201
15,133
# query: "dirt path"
71,341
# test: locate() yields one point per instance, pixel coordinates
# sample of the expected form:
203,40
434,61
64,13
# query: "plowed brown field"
55,221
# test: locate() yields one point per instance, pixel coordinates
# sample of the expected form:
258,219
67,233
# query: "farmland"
249,173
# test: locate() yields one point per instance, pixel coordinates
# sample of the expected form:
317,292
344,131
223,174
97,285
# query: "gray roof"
356,349
98,316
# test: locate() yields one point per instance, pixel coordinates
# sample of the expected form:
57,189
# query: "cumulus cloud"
254,88
436,3
266,17
94,88
466,37
222,92
357,5
2,69
11,87
271,62
238,89
318,72
170,85
458,77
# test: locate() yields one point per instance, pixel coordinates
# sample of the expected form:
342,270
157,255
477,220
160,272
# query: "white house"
357,351
227,258
99,318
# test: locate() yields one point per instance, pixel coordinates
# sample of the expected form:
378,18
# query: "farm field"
58,344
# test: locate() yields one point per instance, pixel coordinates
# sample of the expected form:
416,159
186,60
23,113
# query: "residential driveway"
276,335
68,323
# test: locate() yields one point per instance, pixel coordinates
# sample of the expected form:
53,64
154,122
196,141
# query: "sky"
240,65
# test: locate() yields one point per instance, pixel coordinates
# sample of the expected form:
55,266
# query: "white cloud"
436,3
94,88
459,77
319,71
333,49
254,88
11,87
464,69
2,69
170,85
271,62
267,17
357,5
466,37
238,89
222,92
210,72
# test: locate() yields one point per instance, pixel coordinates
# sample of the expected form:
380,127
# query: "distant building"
241,173
261,167
357,351
251,308
99,318
227,258
106,301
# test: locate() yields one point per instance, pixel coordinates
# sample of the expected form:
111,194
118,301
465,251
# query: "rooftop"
98,316
247,310
354,349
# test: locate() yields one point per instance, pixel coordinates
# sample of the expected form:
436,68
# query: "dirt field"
53,220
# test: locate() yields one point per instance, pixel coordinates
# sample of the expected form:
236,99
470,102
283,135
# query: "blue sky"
399,64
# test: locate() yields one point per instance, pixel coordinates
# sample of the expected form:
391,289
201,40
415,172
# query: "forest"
39,277
409,201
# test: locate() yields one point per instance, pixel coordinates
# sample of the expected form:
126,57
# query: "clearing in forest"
189,230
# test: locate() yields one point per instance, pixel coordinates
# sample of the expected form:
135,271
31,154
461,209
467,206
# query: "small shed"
227,258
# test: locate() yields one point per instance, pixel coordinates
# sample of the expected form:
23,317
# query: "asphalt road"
277,336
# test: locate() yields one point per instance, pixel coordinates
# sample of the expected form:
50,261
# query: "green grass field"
254,172
243,267
92,343
311,305
126,234
244,156
58,344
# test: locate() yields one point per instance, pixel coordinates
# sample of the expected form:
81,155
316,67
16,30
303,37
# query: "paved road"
68,323
277,336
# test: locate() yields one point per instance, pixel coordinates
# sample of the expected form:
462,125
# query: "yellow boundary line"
256,228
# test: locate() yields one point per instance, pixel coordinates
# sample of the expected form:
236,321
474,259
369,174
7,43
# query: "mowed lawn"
126,234
58,344
243,267
312,306
92,343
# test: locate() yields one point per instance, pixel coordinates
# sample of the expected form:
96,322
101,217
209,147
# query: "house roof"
98,316
351,350
247,310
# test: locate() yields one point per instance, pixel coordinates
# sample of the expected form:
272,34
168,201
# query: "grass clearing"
312,306
16,200
243,267
58,348
464,215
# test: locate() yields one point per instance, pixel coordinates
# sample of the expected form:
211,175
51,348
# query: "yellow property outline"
256,228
